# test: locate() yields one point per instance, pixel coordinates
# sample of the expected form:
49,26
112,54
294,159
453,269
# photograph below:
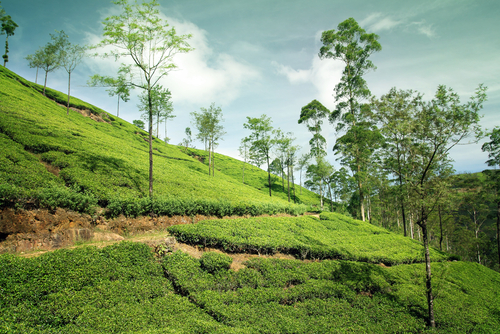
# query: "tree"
48,57
116,86
208,122
71,56
493,176
436,128
319,174
34,61
140,124
244,151
140,34
353,46
161,105
8,28
262,140
302,163
393,113
186,142
312,115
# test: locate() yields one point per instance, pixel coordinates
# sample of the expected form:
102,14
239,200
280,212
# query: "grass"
335,236
105,161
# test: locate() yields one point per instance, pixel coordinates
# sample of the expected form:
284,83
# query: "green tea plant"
335,236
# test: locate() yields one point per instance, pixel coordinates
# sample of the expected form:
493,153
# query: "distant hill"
94,157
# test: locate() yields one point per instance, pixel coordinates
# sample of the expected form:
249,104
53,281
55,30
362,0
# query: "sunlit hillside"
92,153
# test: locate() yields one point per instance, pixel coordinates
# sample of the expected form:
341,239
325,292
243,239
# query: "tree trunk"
440,229
5,57
269,175
428,282
118,107
321,193
36,77
69,87
293,185
402,203
209,157
150,107
45,84
288,180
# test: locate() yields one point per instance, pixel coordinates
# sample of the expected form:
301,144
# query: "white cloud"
424,29
323,75
375,22
202,75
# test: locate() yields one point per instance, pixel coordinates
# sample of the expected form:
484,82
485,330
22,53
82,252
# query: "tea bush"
214,262
338,237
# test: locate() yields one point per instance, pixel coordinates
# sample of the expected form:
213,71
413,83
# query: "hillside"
93,157
126,287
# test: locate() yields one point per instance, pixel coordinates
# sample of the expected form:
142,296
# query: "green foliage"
335,236
214,262
119,288
273,296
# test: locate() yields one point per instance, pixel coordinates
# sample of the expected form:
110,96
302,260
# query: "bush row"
306,238
133,207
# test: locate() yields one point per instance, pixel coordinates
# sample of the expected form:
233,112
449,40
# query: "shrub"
214,262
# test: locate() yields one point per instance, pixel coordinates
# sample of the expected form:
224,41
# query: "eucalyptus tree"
48,57
353,46
8,28
144,38
302,164
262,141
186,142
319,175
393,113
160,104
71,56
208,122
118,86
313,115
437,127
493,176
244,151
34,61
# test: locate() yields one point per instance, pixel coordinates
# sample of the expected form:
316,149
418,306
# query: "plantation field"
124,288
255,177
85,162
333,236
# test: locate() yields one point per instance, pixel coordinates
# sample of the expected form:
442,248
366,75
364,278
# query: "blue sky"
260,57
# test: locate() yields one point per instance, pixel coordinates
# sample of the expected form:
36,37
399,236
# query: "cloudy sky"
257,57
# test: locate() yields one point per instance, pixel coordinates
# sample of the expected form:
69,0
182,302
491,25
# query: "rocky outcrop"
25,230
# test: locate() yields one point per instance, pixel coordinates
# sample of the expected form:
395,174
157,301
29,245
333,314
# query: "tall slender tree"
313,115
493,177
71,56
353,46
8,28
437,127
116,86
262,140
208,122
140,34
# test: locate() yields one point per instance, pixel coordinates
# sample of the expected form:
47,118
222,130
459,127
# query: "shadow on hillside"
368,279
110,165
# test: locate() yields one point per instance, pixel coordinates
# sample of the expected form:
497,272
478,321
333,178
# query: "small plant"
214,262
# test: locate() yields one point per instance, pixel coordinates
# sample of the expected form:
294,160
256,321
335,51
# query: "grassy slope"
255,177
335,236
122,288
107,159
